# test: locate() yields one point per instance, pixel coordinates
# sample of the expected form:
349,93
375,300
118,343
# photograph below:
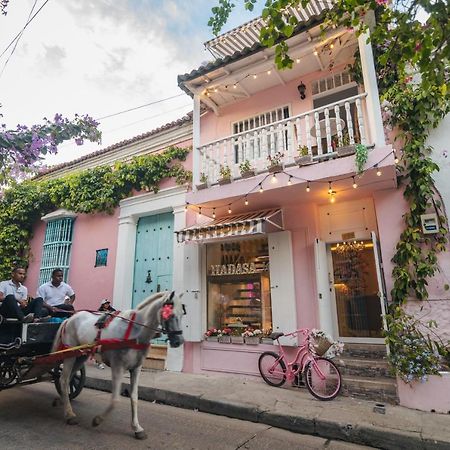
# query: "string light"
186,206
274,179
214,213
234,86
332,196
395,157
255,76
355,185
308,189
261,190
315,52
290,180
330,189
297,60
378,170
199,210
331,45
246,201
269,72
229,208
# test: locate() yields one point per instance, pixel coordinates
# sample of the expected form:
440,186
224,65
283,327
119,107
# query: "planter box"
201,186
346,150
237,340
223,181
211,338
304,160
225,339
248,174
275,168
252,340
432,395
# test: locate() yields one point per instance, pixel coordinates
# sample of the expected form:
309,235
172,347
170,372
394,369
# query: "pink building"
307,242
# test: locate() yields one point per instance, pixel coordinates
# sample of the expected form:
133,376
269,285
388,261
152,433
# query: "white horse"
159,312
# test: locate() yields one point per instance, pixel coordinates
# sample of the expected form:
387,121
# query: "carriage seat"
29,333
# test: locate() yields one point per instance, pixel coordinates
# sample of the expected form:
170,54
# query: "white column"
179,222
371,88
196,141
123,277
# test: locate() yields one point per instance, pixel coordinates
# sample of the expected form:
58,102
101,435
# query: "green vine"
91,191
361,156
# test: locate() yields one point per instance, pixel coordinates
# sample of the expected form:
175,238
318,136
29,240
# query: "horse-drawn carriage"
24,356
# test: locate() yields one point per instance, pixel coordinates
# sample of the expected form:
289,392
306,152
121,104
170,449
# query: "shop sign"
237,269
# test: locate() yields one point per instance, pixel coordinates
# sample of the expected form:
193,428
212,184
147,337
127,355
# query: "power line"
23,29
141,106
18,39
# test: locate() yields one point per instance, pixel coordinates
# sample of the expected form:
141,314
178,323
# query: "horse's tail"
150,299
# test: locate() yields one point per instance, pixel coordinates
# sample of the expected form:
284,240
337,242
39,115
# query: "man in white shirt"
14,299
54,294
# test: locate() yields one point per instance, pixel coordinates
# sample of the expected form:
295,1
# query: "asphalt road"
28,421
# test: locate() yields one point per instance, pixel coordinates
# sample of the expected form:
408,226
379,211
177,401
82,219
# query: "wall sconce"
302,90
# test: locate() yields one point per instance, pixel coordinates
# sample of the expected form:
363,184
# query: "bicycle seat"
276,335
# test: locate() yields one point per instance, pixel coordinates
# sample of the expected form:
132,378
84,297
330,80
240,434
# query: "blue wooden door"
153,263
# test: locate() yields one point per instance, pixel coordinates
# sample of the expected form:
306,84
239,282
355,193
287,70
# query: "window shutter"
282,286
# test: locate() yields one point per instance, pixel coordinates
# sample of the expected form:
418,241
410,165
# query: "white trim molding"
59,214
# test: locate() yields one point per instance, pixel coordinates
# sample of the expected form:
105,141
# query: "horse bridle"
167,314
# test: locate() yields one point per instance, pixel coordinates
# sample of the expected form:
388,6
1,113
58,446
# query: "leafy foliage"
90,191
361,156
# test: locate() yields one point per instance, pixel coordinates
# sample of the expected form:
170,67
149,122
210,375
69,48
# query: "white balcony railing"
320,130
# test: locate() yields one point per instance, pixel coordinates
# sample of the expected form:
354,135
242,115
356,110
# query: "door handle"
148,280
158,288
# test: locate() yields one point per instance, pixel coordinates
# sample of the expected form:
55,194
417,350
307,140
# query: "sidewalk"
249,398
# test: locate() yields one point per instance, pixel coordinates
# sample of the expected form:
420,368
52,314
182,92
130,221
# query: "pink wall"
214,127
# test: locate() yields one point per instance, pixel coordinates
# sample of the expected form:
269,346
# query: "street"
28,420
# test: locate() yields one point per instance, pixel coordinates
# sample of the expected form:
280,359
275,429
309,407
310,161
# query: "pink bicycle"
322,377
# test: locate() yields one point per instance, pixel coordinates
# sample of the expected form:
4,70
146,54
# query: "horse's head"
171,313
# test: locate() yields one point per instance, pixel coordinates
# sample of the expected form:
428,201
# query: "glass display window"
239,285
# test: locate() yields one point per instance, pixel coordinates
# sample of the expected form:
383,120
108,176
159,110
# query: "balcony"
321,131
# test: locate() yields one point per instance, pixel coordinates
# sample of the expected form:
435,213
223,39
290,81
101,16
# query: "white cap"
105,301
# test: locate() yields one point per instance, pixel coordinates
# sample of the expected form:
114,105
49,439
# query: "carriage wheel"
76,384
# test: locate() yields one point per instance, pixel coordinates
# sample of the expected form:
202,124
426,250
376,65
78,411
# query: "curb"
353,433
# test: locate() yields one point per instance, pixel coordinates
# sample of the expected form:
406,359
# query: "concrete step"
380,389
156,357
370,368
154,364
369,351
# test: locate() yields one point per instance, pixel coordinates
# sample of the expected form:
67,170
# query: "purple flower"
79,141
58,118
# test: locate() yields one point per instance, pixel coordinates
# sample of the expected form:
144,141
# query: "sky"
99,57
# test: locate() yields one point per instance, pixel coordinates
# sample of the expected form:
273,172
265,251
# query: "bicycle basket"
320,345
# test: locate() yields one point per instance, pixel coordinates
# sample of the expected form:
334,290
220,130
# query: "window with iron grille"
56,249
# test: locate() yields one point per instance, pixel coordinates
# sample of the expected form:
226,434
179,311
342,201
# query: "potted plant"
246,169
236,335
225,335
212,335
252,336
203,181
225,174
343,148
275,163
304,158
420,359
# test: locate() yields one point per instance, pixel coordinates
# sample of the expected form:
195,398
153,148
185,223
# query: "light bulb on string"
395,158
269,72
355,185
246,201
332,196
297,60
378,171
308,189
186,206
234,85
330,189
229,209
274,178
199,210
261,190
331,45
255,76
214,213
315,52
290,180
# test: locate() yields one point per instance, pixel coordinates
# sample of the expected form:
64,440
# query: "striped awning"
248,34
257,222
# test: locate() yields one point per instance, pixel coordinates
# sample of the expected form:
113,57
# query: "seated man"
13,299
54,294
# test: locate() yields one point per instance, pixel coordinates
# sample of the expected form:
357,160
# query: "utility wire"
23,29
18,39
141,106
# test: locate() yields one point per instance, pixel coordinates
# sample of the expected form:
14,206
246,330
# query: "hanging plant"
361,156
99,189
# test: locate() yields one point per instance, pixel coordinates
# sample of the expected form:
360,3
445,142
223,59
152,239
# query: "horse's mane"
150,300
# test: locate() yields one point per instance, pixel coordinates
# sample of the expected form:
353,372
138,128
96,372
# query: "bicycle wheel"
272,369
323,379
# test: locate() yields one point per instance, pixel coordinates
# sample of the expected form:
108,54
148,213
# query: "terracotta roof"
176,123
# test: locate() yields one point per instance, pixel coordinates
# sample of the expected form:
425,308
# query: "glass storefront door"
239,284
356,289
